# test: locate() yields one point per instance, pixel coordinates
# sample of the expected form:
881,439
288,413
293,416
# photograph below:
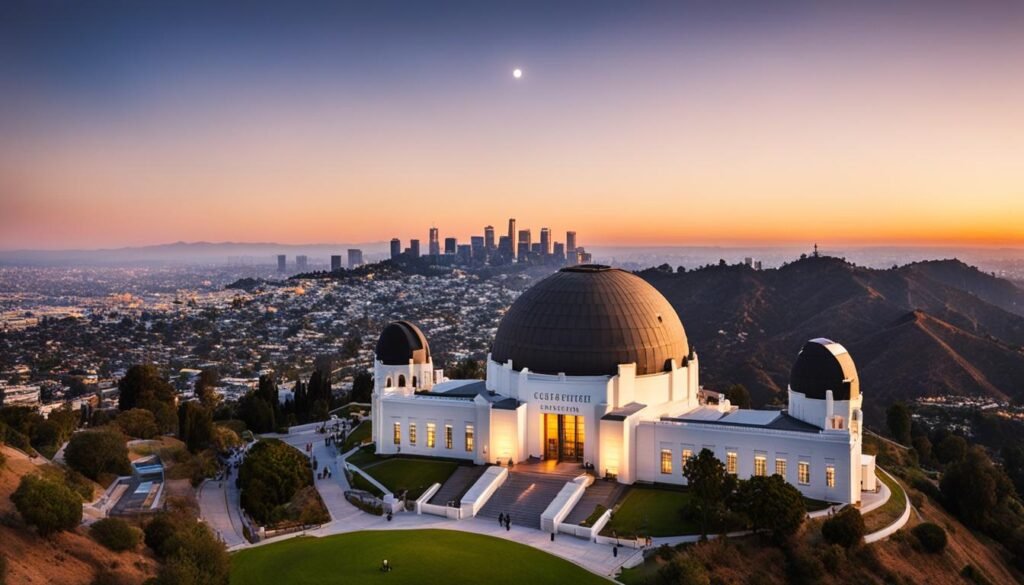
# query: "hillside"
928,328
67,558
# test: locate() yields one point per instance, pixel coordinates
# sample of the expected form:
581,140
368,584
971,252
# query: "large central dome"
586,320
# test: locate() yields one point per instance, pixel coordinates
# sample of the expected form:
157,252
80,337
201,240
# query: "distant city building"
282,263
570,242
489,237
477,243
749,261
545,241
19,396
355,258
301,262
450,245
526,238
435,243
505,247
414,248
464,253
396,248
512,242
559,253
335,262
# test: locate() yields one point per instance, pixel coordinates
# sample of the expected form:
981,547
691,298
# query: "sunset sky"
703,123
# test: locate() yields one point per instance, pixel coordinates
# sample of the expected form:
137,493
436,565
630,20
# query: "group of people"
325,473
505,520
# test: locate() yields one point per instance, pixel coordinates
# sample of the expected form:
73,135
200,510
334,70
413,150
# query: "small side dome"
824,365
400,342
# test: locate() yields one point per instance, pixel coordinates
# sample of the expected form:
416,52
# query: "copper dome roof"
824,365
400,342
586,320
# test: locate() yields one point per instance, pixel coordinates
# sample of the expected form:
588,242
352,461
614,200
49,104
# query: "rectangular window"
804,473
447,436
780,467
730,462
431,435
760,465
469,438
666,461
687,455
830,476
398,433
412,434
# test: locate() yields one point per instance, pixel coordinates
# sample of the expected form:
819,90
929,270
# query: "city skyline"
658,125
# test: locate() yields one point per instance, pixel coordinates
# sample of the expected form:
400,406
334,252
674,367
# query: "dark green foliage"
257,413
191,554
362,387
138,423
683,569
204,388
931,536
143,387
195,426
803,566
923,447
98,451
846,528
466,369
47,504
770,504
975,490
898,420
159,530
116,534
951,449
270,476
710,484
738,395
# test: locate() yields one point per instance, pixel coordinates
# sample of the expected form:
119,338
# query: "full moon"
517,73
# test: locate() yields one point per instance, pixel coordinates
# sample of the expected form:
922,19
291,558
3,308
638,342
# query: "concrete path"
220,506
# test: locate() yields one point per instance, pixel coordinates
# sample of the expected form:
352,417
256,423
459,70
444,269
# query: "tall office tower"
477,245
559,253
523,252
282,263
335,262
525,237
464,253
584,256
414,248
450,245
512,237
396,248
489,237
570,242
545,241
573,258
435,244
355,258
505,248
301,262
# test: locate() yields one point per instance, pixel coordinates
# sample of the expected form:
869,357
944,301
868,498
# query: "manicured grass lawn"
815,505
418,557
358,435
415,475
891,510
363,457
650,511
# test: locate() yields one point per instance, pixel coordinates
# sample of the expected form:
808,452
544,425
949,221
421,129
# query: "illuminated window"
780,467
469,438
431,435
447,436
666,460
398,433
412,434
803,474
730,462
830,476
687,455
760,465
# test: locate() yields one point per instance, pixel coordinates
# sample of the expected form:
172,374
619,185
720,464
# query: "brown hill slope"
69,558
748,326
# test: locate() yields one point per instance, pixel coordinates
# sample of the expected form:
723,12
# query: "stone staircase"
604,492
458,484
528,491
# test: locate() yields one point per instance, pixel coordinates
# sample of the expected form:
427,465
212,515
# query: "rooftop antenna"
815,249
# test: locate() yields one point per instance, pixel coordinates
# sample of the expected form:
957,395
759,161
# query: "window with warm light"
666,461
760,465
397,433
431,435
730,462
830,476
469,438
780,467
447,436
804,473
687,455
412,434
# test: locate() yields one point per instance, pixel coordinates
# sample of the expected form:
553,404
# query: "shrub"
92,453
974,575
931,536
270,476
683,569
116,534
846,528
189,551
925,486
158,531
803,567
47,504
138,422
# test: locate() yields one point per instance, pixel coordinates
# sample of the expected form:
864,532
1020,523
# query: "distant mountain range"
923,329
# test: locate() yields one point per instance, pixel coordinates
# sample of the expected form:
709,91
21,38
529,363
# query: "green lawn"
891,510
650,511
418,557
361,433
415,475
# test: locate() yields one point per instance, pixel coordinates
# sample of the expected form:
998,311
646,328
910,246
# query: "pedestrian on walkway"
501,519
508,523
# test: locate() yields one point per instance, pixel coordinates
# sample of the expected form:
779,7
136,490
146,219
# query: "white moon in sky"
517,73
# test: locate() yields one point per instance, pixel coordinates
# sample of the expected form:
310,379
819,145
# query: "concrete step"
457,484
604,492
524,496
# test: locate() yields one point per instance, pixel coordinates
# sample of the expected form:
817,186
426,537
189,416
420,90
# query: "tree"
115,534
362,387
257,414
951,449
47,504
195,426
924,449
269,477
710,484
931,536
974,489
190,553
204,388
770,503
138,423
845,528
99,451
683,569
898,420
738,395
467,369
142,386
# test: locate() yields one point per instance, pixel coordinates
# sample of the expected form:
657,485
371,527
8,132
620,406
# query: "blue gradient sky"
689,123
